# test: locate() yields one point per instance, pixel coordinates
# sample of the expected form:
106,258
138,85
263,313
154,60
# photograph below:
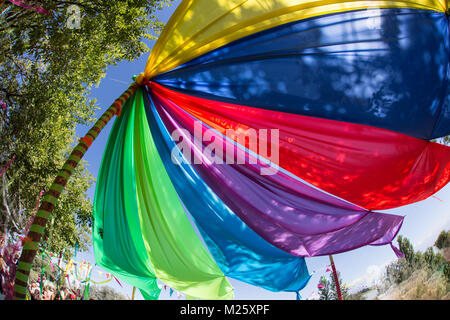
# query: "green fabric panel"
148,295
122,250
178,255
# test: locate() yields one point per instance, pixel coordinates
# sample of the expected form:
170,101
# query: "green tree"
329,291
407,248
403,268
105,293
46,73
324,289
443,240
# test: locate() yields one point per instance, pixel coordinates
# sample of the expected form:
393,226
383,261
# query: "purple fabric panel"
291,215
397,251
388,237
366,231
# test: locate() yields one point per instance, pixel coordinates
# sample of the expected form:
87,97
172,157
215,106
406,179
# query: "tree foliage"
329,291
46,73
105,293
403,268
443,240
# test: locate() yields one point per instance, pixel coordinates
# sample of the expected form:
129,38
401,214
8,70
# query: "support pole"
336,279
32,240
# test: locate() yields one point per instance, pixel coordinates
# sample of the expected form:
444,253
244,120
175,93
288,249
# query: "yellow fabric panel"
199,26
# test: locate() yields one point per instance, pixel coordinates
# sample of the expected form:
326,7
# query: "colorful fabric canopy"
267,132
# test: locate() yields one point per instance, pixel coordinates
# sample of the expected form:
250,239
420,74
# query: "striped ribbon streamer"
52,195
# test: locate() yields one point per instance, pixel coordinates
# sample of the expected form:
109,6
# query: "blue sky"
423,221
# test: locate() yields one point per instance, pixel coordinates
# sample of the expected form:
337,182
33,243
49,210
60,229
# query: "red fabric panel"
370,167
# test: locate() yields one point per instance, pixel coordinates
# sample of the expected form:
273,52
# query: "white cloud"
373,274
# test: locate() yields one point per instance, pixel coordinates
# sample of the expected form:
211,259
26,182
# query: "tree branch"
5,204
